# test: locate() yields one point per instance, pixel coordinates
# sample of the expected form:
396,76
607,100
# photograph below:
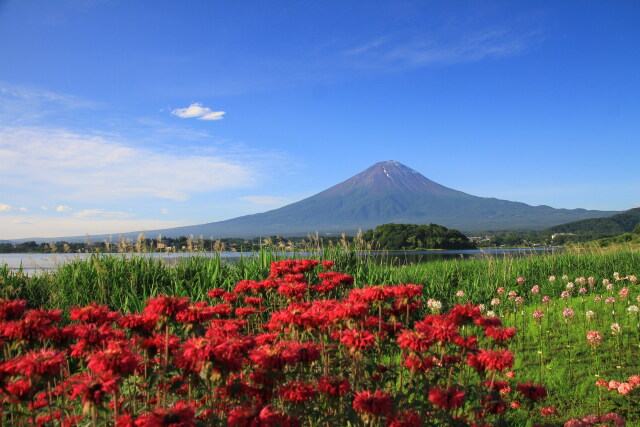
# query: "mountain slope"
387,192
596,228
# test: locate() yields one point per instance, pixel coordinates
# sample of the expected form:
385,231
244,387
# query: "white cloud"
637,205
44,208
393,52
90,167
37,95
5,208
197,110
164,211
22,104
101,213
23,209
214,115
63,208
264,200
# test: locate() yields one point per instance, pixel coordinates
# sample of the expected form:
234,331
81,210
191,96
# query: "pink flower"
613,385
548,411
568,314
625,388
594,338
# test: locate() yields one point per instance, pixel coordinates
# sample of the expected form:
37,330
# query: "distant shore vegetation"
384,237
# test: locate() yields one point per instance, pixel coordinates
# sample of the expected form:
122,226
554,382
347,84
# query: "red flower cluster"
300,347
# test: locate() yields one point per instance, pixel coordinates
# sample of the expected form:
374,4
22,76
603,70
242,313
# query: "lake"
34,263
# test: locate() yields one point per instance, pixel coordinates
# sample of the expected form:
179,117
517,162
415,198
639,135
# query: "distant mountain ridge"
387,192
598,228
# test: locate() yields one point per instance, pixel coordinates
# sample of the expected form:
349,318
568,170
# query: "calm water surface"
34,263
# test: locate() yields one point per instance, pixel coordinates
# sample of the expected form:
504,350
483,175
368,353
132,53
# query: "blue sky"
119,116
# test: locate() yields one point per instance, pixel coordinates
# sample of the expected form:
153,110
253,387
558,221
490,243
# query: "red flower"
415,363
166,305
446,399
94,313
408,290
12,309
357,340
197,313
289,266
493,360
253,300
222,354
183,416
116,359
20,389
331,280
414,341
229,297
439,327
500,335
216,293
532,391
407,418
292,289
488,321
92,389
142,324
250,417
377,404
45,363
464,314
334,387
373,293
548,411
36,323
297,392
222,310
246,311
244,286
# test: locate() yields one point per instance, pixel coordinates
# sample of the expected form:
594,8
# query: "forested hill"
597,228
416,237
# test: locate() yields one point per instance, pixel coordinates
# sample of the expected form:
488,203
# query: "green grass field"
554,349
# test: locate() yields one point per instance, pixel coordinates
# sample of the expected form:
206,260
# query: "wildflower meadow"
305,345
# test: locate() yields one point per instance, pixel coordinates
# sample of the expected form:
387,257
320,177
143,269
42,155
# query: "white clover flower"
615,329
632,309
491,313
590,314
434,305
